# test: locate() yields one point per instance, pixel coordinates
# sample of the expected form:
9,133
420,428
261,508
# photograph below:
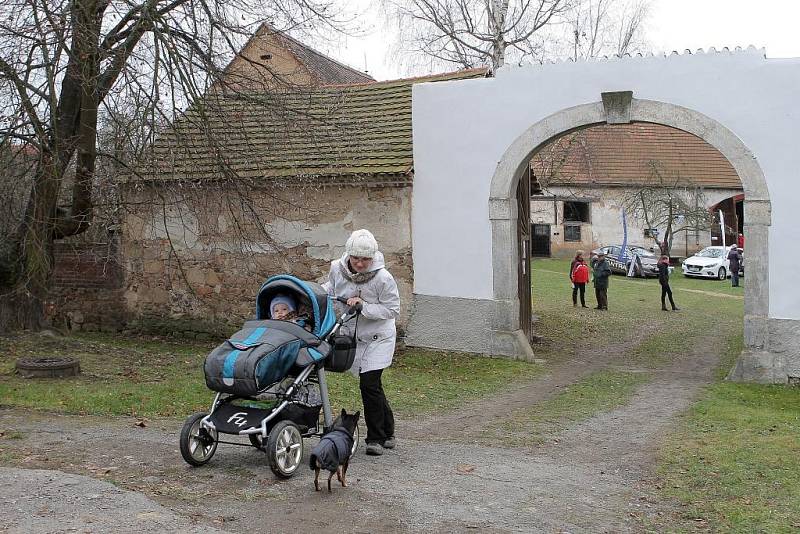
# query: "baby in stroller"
283,307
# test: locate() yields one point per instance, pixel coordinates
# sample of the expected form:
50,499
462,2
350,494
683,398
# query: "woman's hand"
352,301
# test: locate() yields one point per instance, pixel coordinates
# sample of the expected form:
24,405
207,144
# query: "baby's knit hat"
282,298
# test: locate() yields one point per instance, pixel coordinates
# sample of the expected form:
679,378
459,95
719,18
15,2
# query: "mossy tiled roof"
347,132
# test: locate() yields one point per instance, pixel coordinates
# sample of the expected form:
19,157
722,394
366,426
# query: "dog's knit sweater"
332,450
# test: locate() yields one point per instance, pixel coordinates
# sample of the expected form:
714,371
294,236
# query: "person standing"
579,276
361,277
663,279
601,272
735,263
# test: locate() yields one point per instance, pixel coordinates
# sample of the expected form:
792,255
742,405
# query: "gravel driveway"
593,477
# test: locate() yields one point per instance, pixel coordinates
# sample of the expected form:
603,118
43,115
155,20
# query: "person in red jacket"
579,276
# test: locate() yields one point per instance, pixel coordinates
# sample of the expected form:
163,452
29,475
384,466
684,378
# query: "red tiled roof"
622,154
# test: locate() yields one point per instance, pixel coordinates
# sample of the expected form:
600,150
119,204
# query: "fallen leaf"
465,468
140,423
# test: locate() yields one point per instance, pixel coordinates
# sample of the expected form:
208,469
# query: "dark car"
646,263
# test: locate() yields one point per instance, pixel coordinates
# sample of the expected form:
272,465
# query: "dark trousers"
582,289
666,291
734,276
377,413
601,293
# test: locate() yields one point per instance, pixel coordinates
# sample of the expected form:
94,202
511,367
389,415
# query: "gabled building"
274,60
579,183
247,185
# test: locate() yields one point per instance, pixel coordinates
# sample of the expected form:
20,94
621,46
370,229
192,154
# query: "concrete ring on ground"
48,367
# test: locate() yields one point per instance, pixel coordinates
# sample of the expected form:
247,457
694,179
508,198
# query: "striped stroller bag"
257,356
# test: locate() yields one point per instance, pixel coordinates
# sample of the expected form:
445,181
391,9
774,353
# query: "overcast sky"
673,25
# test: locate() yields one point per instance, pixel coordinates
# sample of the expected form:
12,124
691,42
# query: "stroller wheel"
198,444
284,448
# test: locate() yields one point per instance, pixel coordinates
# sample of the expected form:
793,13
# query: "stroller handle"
353,309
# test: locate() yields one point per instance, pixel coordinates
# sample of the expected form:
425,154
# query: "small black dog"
333,450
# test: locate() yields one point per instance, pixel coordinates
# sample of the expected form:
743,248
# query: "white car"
711,262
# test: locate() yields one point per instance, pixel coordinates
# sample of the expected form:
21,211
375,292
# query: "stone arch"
618,108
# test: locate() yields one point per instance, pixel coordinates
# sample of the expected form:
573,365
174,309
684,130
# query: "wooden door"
540,240
524,247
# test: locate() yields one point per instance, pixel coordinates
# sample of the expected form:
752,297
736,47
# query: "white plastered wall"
462,130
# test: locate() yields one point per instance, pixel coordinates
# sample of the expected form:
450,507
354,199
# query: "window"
575,211
572,232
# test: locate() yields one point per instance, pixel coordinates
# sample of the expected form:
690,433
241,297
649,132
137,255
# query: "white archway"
617,108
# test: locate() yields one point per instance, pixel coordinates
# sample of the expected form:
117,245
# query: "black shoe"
675,308
374,449
664,308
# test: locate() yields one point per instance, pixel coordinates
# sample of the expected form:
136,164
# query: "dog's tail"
312,462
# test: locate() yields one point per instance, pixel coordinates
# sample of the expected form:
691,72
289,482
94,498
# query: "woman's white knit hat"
361,244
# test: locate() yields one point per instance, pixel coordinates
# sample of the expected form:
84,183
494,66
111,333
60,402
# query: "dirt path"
589,480
463,424
36,500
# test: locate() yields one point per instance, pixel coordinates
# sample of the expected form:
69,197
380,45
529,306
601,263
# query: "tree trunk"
24,292
498,10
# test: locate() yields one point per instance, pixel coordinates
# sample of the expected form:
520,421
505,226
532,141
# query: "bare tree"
490,33
474,33
670,202
606,27
62,64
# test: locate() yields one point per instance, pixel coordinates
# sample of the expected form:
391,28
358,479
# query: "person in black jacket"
601,272
663,279
735,259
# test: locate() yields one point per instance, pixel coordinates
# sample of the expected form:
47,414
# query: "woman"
579,276
361,277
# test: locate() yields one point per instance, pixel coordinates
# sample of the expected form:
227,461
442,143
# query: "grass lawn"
147,377
635,320
732,464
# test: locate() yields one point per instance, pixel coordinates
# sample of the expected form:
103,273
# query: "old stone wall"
88,287
605,221
201,254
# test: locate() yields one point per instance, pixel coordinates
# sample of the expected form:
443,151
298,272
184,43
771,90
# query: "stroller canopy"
308,294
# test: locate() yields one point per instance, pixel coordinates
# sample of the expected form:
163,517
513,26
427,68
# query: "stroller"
270,379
